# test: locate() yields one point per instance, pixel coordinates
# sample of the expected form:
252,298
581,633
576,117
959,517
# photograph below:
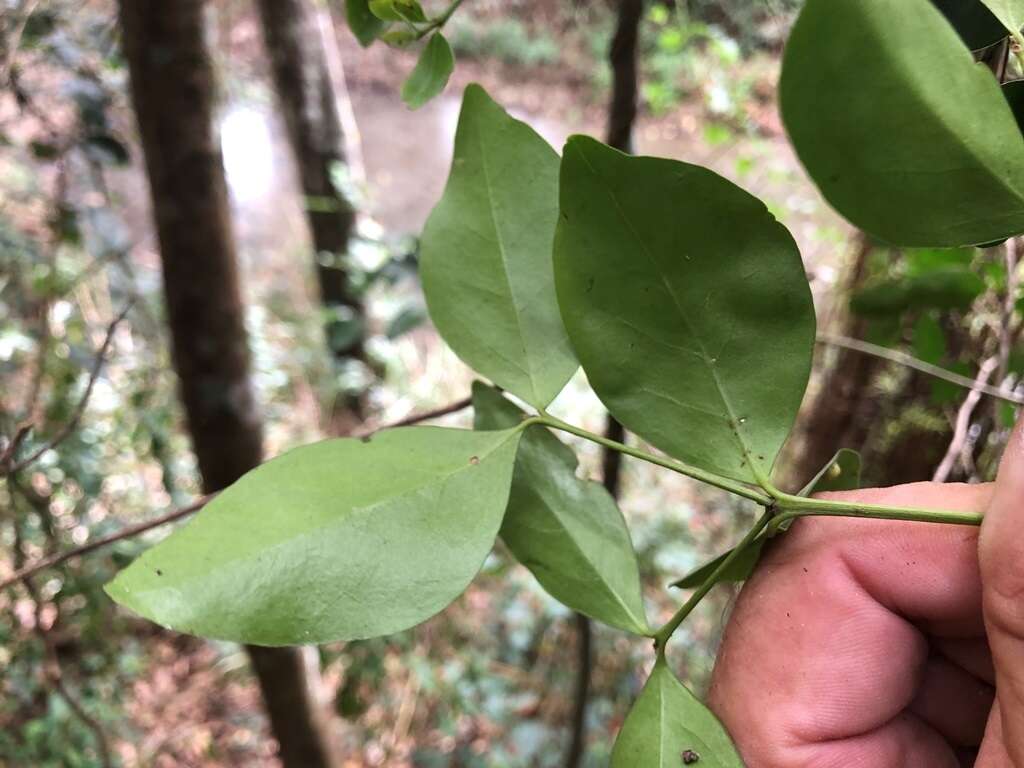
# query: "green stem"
792,507
440,21
696,473
661,637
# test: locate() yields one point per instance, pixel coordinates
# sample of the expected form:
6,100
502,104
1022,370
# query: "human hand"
885,644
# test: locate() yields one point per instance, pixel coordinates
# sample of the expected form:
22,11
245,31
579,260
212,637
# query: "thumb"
1002,571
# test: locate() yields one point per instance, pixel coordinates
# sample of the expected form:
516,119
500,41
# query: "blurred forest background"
289,182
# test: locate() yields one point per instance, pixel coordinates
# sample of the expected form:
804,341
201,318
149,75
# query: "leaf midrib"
481,146
639,622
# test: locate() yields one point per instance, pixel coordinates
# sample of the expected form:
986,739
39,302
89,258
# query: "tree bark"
306,94
173,92
623,60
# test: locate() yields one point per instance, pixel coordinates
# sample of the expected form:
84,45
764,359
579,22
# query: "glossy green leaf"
840,474
687,304
1009,12
915,144
431,73
338,540
668,722
977,25
486,254
568,531
363,23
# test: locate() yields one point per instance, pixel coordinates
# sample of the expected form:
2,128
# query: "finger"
944,684
993,753
904,742
820,651
1001,553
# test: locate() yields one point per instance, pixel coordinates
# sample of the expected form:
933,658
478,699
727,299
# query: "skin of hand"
885,644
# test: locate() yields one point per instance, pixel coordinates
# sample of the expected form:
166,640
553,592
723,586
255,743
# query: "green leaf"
338,540
384,10
976,24
1009,12
738,570
397,10
914,143
840,474
486,254
928,342
365,25
687,304
569,532
940,289
431,73
667,722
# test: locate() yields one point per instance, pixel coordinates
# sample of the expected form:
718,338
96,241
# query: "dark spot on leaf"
590,284
159,572
474,460
365,439
689,757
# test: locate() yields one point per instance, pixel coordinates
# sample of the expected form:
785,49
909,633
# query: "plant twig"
416,418
52,669
661,637
963,421
13,467
51,561
895,356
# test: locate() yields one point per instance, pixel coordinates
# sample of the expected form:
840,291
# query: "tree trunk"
306,95
623,60
831,422
172,88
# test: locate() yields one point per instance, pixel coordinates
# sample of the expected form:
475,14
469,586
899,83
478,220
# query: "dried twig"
51,561
52,669
909,361
416,418
11,467
24,573
963,420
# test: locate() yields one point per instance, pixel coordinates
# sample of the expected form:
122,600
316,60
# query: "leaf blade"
661,261
486,255
1009,12
667,720
567,531
364,24
298,552
915,144
430,75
